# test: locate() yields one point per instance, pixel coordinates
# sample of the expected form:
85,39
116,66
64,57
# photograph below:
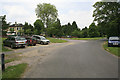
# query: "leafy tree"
11,29
21,32
28,28
74,26
38,26
29,32
76,33
85,32
107,16
47,13
93,31
55,29
4,25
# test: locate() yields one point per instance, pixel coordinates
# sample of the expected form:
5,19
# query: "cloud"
69,11
82,18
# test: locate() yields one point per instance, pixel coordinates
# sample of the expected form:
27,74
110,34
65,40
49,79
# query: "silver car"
40,39
15,41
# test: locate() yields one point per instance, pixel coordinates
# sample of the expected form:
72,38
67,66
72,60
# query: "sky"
22,11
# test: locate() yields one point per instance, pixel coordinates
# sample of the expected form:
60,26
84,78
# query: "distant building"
15,29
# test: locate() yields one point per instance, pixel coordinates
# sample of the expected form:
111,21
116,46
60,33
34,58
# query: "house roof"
16,25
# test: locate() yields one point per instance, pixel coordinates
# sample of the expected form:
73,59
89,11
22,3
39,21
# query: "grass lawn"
3,48
12,57
96,38
14,71
113,50
53,40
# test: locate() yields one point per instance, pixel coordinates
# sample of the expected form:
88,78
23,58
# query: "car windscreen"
114,39
20,38
43,38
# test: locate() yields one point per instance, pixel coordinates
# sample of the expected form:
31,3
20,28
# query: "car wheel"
42,43
34,44
12,46
109,45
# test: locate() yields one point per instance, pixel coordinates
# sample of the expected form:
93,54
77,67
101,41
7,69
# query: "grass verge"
12,57
113,50
54,40
3,49
96,38
14,71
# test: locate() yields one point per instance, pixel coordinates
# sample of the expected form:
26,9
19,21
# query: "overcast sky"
23,11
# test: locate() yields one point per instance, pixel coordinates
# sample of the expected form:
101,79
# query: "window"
12,39
18,28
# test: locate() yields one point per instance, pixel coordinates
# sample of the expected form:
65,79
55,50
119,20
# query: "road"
83,59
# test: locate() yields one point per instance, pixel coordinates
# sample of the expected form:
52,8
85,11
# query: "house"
15,29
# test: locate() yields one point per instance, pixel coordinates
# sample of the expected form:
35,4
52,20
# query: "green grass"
4,49
113,50
14,71
12,57
96,38
10,60
53,40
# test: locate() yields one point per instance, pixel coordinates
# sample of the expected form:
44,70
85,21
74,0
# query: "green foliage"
76,33
4,26
11,29
84,32
55,29
38,27
28,29
93,31
14,71
47,13
107,16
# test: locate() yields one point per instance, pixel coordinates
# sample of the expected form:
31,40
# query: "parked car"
31,41
15,41
40,39
114,41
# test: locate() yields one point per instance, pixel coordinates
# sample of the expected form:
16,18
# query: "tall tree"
107,16
85,32
47,13
5,25
28,29
38,26
74,26
93,31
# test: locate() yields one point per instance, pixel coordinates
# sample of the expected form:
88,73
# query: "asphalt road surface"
84,59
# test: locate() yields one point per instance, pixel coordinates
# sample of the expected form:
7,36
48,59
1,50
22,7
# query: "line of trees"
106,14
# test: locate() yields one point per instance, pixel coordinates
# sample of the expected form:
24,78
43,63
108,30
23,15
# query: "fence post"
3,62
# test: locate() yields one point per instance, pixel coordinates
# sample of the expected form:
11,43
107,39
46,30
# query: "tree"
21,32
11,29
107,16
4,25
74,26
93,31
55,29
47,13
38,26
76,33
28,29
84,32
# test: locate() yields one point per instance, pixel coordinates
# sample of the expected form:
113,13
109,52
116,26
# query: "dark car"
15,41
31,41
114,41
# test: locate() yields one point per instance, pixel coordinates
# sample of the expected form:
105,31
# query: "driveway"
75,59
